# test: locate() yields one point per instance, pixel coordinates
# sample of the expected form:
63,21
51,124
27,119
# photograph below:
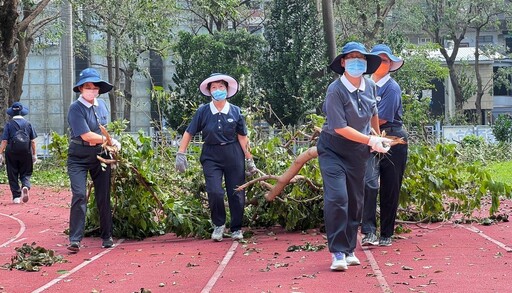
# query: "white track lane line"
375,268
479,232
20,232
220,268
76,269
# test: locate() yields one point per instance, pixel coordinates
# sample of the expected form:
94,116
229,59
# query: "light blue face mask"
219,95
355,67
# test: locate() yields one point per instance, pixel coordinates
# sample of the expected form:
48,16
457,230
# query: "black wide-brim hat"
372,60
91,75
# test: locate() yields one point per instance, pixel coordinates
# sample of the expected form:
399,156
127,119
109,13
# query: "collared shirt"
389,102
84,116
10,129
345,105
218,127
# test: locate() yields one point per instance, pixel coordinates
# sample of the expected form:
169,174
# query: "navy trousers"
224,161
19,169
342,164
82,161
390,167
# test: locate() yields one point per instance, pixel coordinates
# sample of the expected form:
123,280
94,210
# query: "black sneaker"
107,243
369,239
74,246
385,241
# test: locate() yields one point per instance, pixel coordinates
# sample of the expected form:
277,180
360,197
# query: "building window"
485,39
424,40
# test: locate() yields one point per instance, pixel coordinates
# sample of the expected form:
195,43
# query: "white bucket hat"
232,84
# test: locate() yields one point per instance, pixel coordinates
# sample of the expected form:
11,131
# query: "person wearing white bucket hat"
391,167
85,115
344,147
18,143
225,145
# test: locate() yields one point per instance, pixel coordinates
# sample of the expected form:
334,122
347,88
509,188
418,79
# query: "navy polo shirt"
389,102
346,105
10,129
84,116
218,127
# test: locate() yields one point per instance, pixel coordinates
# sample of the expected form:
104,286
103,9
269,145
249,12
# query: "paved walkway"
430,258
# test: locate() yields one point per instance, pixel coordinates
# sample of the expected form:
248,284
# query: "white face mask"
90,94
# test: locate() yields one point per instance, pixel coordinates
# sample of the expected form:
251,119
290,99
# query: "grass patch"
501,172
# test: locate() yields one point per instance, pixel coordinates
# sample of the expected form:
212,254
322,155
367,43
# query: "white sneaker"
339,262
24,194
17,200
237,235
352,260
218,233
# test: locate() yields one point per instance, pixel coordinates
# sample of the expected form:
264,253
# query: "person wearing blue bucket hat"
344,147
85,115
19,146
391,167
226,144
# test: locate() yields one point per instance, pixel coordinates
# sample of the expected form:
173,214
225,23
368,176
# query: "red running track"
441,257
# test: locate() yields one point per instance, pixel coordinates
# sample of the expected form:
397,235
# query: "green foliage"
501,171
198,56
31,258
437,185
58,148
292,73
502,128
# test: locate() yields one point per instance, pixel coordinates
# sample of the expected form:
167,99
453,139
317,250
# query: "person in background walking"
390,167
85,116
19,159
225,147
351,112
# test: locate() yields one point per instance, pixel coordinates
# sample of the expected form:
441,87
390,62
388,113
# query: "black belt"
82,142
391,129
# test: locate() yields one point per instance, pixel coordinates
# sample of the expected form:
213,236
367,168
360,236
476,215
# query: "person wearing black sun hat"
225,145
344,147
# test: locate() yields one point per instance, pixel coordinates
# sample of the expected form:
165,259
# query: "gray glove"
2,159
250,167
181,162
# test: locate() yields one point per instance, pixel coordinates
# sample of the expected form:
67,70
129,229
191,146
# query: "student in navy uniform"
390,167
351,111
19,165
84,117
225,146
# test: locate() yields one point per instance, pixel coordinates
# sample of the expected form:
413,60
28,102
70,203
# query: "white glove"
379,144
2,159
34,159
116,143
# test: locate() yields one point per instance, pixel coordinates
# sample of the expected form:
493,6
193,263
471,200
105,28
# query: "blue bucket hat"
91,75
17,109
372,60
397,62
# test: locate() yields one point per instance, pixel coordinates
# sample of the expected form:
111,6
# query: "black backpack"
20,142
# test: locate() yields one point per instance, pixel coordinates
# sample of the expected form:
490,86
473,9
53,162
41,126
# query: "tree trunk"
113,108
68,69
328,24
479,86
128,78
8,32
